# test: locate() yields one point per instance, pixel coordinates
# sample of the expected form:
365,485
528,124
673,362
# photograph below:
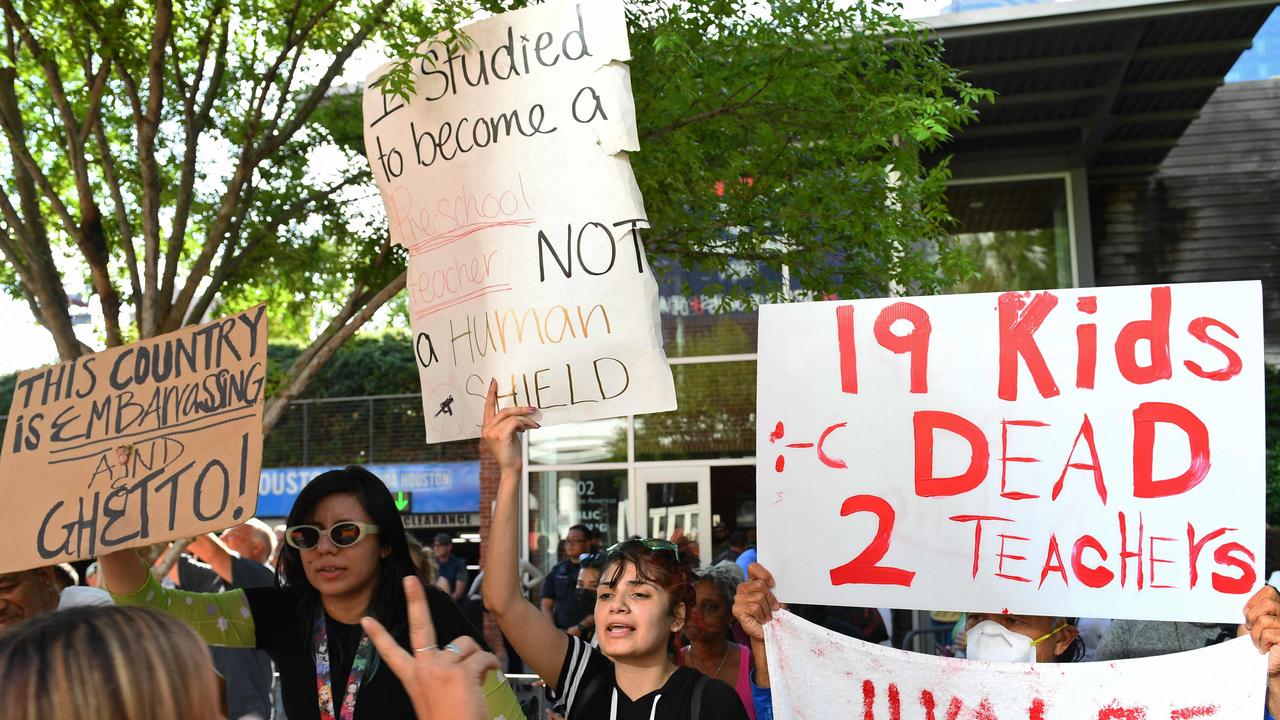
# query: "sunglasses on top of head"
343,534
653,544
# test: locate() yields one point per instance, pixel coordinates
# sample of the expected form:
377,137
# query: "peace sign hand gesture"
442,683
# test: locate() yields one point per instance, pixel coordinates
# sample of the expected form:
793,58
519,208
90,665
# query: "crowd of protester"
641,629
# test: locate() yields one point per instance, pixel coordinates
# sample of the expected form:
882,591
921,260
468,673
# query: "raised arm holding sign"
134,445
1076,452
1024,457
506,178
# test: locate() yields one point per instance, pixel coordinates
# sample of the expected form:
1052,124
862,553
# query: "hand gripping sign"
1093,453
506,179
816,673
138,444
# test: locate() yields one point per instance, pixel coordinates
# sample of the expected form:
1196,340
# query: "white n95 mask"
989,640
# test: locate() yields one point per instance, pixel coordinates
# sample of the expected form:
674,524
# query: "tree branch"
213,240
41,284
88,234
301,375
707,115
232,261
148,123
193,124
252,157
123,226
263,90
308,106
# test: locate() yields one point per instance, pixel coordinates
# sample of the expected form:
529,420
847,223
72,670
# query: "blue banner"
436,487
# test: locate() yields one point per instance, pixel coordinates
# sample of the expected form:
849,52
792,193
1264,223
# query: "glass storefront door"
675,498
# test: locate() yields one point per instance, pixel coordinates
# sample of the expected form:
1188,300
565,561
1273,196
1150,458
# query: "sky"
26,344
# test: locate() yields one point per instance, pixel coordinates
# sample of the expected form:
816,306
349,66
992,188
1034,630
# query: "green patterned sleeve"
222,619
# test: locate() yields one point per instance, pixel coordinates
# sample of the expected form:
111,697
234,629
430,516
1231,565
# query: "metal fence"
359,430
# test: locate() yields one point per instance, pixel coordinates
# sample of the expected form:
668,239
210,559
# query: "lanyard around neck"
324,685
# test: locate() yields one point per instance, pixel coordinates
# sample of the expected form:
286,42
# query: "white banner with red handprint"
816,673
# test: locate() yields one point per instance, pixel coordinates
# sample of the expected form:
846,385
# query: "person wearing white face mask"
1021,638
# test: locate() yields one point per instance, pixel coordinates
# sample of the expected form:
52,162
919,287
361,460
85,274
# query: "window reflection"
575,443
1016,233
560,500
715,419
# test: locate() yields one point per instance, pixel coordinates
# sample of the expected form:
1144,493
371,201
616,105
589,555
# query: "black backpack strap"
695,703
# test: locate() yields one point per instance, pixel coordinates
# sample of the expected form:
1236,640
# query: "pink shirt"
743,686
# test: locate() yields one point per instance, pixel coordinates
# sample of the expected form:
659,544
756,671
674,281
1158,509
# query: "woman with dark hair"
643,599
346,558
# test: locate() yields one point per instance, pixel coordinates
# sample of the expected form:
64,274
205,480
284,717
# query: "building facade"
1115,153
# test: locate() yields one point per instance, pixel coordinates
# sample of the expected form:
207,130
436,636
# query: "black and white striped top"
589,692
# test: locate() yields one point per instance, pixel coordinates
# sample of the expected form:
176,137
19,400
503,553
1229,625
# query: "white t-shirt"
83,596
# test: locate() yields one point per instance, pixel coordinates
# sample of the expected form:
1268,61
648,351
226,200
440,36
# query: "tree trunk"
301,375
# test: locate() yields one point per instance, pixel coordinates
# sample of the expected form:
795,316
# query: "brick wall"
488,493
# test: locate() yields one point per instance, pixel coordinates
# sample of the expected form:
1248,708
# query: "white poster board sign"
506,179
816,673
1093,452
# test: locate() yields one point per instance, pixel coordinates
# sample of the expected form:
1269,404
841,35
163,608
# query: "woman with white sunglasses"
346,558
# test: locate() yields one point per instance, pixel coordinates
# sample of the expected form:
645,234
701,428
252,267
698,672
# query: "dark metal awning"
1109,85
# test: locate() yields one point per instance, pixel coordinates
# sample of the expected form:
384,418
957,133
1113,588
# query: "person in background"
747,556
719,537
423,560
28,593
451,570
559,603
737,546
711,649
530,580
643,599
1129,639
278,546
152,667
65,576
91,576
589,567
237,560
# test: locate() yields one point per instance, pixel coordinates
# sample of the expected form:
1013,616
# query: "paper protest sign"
506,179
816,673
1094,453
152,441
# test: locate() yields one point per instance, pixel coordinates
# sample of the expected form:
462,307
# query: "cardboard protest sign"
1094,452
506,179
815,673
152,441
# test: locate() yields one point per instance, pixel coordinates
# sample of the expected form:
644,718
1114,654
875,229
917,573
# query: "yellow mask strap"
1042,638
